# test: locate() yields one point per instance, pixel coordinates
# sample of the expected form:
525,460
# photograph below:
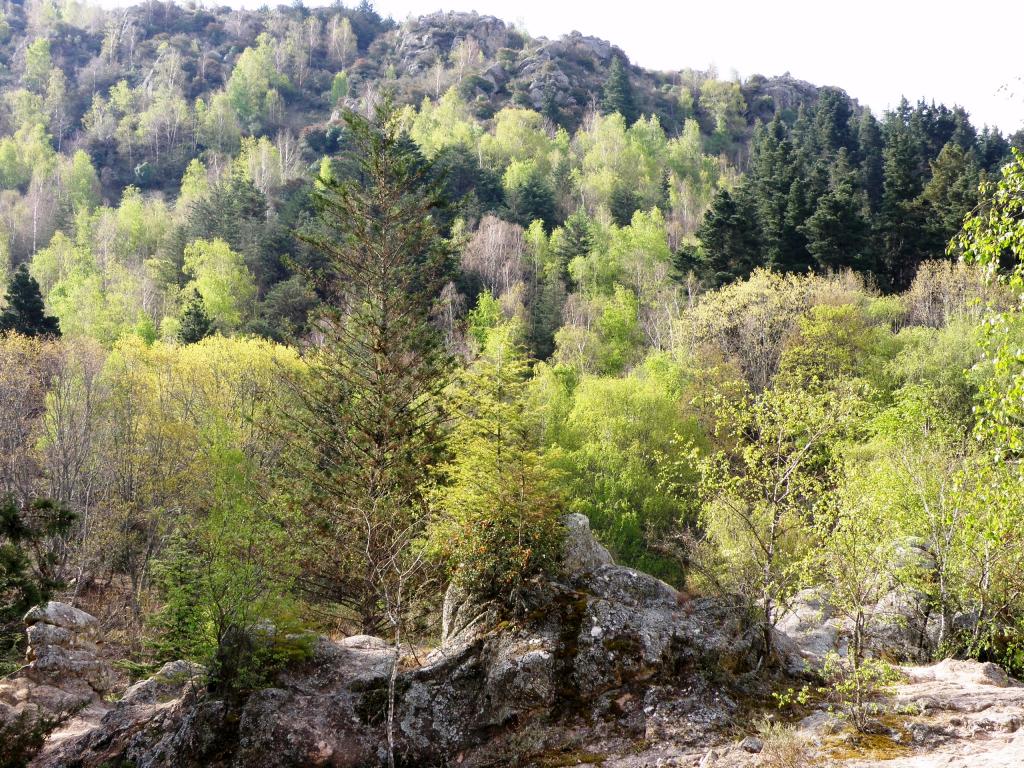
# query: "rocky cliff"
610,657
612,667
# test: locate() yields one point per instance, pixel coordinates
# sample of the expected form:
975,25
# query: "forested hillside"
310,313
209,125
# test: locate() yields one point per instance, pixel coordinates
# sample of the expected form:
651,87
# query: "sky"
876,50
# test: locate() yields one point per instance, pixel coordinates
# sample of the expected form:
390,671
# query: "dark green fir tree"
618,92
25,312
195,323
838,231
729,236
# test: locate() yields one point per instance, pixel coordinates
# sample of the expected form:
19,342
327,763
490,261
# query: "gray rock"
752,744
63,674
583,553
365,641
64,616
613,645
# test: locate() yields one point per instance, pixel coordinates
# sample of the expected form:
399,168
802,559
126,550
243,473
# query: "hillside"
425,391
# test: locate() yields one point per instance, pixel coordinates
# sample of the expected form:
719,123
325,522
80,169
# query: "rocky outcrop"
606,653
961,714
64,672
162,705
423,41
62,649
900,626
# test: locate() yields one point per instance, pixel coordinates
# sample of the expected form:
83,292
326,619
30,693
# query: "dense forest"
310,312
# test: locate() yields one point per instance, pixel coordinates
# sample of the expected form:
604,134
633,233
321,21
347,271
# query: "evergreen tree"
571,240
964,134
952,191
236,212
869,151
993,149
778,195
546,314
831,124
729,236
367,427
838,231
195,323
622,204
532,200
905,237
25,312
498,522
618,92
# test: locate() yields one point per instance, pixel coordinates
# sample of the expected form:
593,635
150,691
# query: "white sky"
967,53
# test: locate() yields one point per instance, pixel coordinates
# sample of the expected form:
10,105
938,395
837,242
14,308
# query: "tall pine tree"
368,425
618,92
25,312
729,236
838,232
195,323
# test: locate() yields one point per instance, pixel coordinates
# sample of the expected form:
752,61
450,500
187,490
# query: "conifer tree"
838,230
367,427
195,323
498,522
618,92
869,151
532,200
25,312
572,239
952,191
902,222
778,197
729,236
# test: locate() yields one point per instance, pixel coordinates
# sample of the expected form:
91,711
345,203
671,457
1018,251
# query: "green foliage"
763,494
619,332
499,505
220,277
528,194
691,355
484,318
724,103
340,87
834,345
23,310
368,425
857,688
838,232
83,183
252,81
222,584
27,561
622,455
37,64
195,324
618,92
994,238
729,236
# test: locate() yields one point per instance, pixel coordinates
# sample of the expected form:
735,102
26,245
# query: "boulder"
583,553
66,617
63,649
64,674
809,631
898,627
607,650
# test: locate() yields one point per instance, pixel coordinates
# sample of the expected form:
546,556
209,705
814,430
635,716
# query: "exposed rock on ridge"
609,647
